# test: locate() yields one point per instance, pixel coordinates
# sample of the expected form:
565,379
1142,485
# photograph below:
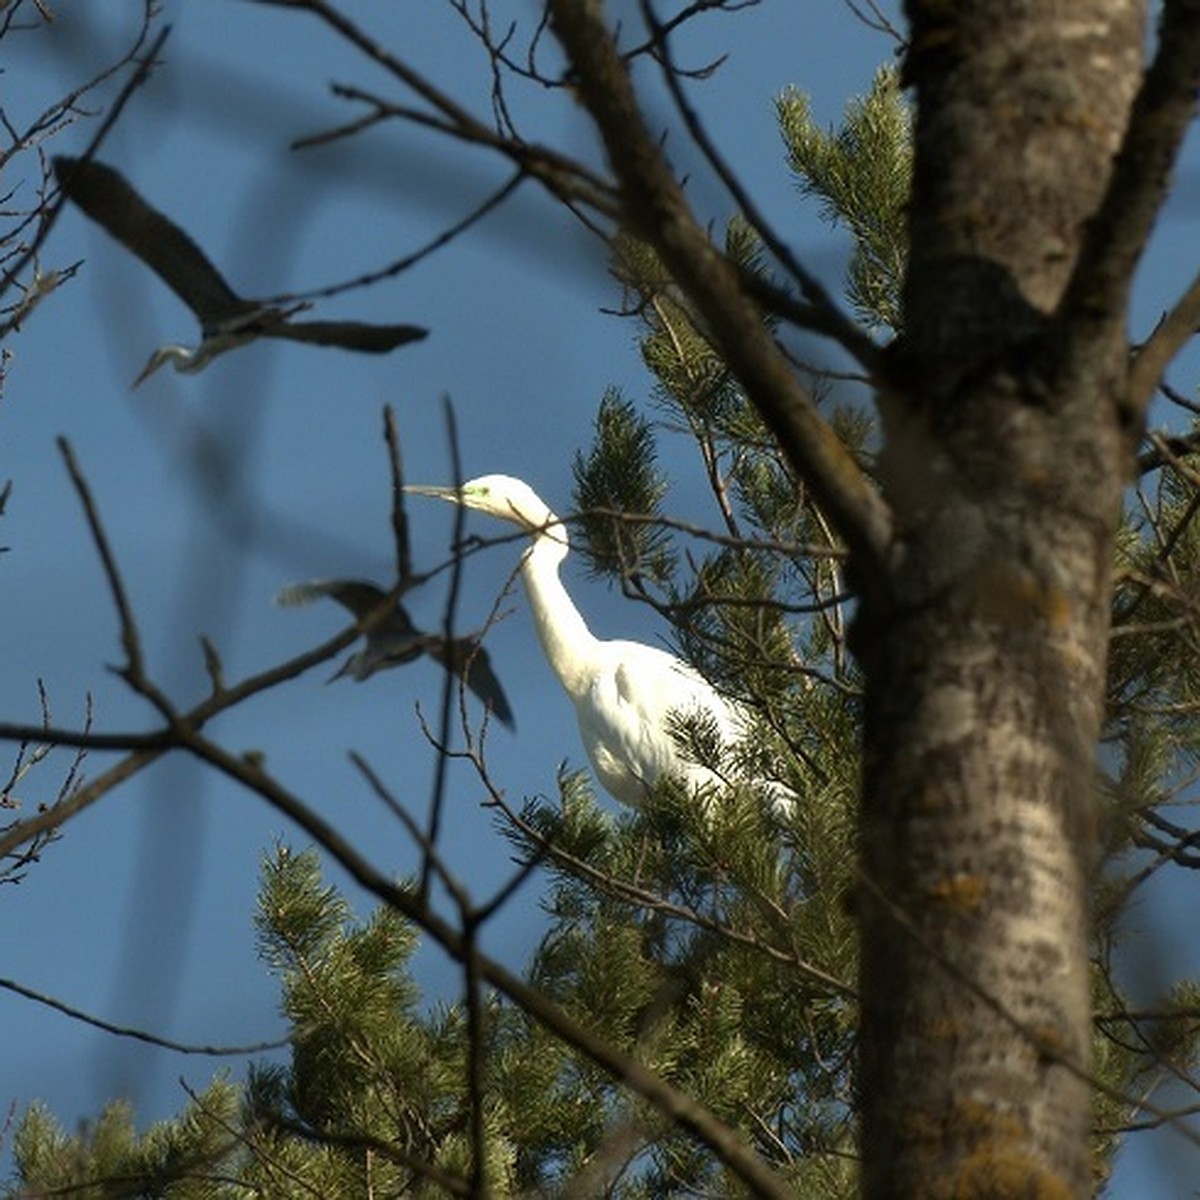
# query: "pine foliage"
861,173
186,1158
374,1085
619,478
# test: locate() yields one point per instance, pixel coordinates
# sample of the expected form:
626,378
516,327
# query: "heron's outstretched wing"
356,595
467,658
350,335
393,640
108,199
397,640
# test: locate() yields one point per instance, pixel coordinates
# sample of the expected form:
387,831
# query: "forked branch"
655,207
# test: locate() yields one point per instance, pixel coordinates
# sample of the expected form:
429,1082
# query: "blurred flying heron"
395,640
226,319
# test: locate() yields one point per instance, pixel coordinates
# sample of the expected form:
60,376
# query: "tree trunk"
985,650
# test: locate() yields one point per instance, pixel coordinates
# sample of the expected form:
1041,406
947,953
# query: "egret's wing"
349,335
106,197
634,717
467,658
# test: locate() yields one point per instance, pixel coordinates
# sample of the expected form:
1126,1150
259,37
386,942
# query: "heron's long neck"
561,628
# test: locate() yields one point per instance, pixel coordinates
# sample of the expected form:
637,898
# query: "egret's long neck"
561,628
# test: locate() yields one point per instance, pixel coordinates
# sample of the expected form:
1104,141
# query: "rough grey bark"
985,648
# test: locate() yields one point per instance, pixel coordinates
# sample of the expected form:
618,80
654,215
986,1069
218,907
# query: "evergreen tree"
720,946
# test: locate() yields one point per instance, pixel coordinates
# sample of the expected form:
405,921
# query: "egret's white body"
627,696
626,711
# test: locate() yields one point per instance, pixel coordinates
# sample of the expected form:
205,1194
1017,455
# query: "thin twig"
823,314
139,1035
135,81
443,239
399,517
130,639
438,794
563,176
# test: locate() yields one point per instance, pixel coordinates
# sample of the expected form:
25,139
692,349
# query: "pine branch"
451,1184
676,1106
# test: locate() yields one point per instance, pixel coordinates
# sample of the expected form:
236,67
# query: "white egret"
396,640
226,319
628,697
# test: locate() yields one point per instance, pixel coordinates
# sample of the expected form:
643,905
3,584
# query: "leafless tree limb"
143,58
562,176
656,208
819,312
140,1035
443,239
1172,333
873,17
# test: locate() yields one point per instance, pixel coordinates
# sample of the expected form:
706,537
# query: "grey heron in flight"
396,640
226,319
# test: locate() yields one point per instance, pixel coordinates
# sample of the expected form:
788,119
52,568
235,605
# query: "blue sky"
142,913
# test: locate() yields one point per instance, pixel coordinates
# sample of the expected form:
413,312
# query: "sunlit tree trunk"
1007,443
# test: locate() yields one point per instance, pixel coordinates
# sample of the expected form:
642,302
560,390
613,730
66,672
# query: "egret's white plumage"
627,696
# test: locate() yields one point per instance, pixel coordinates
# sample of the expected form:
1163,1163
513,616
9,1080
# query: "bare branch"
145,62
146,748
873,17
820,313
562,176
437,798
139,1035
476,1053
130,639
1172,333
411,826
657,209
83,797
1165,445
443,239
